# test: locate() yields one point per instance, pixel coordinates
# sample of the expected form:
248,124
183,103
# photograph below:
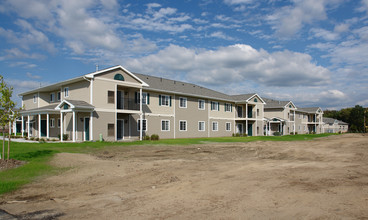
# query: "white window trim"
138,123
226,126
58,98
52,94
228,104
168,100
34,98
186,125
217,108
186,102
204,104
52,122
215,122
204,125
168,125
66,92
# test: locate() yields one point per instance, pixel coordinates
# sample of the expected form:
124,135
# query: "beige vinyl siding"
100,122
155,108
77,91
28,101
100,90
221,132
110,75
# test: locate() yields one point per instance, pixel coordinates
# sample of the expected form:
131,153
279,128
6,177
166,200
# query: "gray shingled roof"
44,108
271,103
162,84
80,104
308,110
333,120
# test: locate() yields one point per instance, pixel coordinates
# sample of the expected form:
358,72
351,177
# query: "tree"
8,111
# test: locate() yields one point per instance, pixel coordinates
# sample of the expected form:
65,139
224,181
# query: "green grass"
38,155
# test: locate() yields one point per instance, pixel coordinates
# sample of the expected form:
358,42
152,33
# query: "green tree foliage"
353,116
8,113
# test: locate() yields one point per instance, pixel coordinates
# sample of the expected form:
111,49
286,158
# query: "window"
201,126
215,126
145,98
201,105
165,125
52,123
228,107
144,125
110,130
182,102
52,97
119,77
257,112
111,97
66,92
182,125
215,106
228,126
58,96
34,98
164,100
58,122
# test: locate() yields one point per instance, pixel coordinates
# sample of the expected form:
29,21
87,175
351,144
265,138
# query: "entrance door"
120,100
240,112
120,129
250,131
239,129
86,129
43,128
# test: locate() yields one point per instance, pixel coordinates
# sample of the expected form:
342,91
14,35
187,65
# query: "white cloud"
325,34
235,2
221,35
31,76
290,19
234,64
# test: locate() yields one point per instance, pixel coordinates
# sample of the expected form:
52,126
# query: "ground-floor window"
215,126
110,130
58,123
165,125
182,125
52,123
228,126
144,124
201,126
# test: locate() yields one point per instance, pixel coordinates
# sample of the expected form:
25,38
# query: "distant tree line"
356,117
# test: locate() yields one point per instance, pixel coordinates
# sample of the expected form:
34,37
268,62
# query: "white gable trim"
92,75
256,95
58,107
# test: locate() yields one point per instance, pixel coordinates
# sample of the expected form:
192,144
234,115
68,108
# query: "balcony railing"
128,104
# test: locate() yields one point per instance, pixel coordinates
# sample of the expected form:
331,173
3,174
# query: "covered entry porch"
274,126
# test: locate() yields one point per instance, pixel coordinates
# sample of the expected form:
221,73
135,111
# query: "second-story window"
52,97
228,107
58,96
201,105
111,97
66,92
164,100
182,102
215,106
258,112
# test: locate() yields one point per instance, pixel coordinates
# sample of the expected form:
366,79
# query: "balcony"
127,104
252,114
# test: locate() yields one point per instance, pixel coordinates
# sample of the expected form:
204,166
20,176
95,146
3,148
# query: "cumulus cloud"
290,19
234,64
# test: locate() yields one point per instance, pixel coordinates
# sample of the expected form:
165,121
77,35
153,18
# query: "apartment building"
115,104
331,125
279,117
309,120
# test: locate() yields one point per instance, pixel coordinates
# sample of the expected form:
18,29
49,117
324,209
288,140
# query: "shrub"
146,138
276,133
31,138
155,137
25,134
296,132
291,133
240,135
37,139
65,137
42,140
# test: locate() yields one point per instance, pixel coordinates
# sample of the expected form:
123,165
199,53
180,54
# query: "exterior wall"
154,106
100,89
100,123
77,91
28,101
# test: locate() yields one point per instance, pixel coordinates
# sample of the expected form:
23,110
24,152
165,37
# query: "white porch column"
246,126
61,127
246,112
141,115
47,126
73,126
294,122
39,125
91,127
29,126
22,125
266,129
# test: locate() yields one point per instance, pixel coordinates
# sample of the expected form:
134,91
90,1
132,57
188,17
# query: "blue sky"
313,52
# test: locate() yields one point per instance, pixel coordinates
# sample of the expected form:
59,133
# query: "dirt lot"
322,179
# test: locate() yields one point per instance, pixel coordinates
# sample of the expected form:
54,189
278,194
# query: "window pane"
110,97
110,130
